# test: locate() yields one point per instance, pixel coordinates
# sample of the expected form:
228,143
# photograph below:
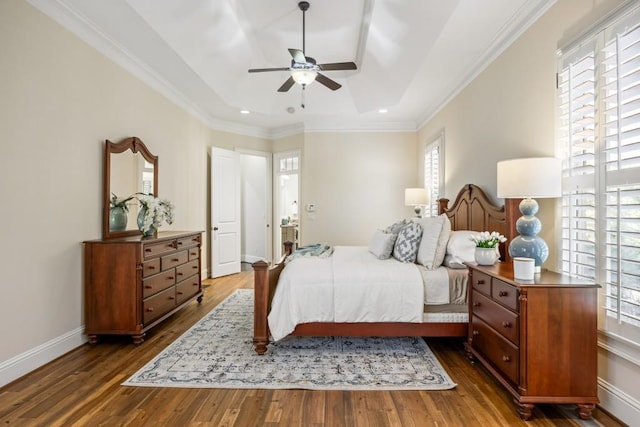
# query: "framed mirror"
129,168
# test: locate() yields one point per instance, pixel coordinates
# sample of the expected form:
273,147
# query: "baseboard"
618,403
250,258
22,364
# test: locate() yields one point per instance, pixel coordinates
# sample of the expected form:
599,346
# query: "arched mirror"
129,168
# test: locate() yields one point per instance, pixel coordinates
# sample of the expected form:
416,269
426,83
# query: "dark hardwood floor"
83,388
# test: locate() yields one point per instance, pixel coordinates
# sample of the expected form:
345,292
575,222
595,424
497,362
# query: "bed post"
260,306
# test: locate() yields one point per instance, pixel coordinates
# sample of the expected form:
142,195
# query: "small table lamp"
416,197
530,177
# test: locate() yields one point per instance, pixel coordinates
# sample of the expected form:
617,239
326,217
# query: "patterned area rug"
217,352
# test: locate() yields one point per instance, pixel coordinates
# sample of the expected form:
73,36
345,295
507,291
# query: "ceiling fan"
304,69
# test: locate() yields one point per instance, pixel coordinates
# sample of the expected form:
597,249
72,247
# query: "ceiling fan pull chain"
302,101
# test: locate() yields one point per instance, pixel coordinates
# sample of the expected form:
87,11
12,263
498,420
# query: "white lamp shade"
304,76
536,177
415,197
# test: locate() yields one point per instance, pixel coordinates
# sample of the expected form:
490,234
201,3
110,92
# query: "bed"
471,210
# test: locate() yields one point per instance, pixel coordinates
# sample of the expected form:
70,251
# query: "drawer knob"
476,304
480,282
175,260
150,309
179,243
506,358
170,278
148,287
506,324
147,249
179,274
180,293
476,333
172,297
195,267
503,293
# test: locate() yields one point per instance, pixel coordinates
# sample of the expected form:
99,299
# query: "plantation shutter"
599,143
620,168
432,176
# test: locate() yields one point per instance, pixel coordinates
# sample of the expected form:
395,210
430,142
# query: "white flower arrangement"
156,211
488,240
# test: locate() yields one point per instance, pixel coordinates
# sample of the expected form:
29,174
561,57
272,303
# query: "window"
433,173
599,142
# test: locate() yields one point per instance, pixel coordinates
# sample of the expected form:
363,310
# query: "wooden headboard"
472,210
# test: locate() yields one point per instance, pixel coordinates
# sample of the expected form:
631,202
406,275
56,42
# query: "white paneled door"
225,212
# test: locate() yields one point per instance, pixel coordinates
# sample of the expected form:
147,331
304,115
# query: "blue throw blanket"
321,250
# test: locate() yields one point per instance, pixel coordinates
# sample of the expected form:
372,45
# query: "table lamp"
416,197
538,177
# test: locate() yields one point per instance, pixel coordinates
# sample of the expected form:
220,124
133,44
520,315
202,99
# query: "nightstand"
537,338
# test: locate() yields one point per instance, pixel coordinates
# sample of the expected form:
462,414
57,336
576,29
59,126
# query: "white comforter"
350,286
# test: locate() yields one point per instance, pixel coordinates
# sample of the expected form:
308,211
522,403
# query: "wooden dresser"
132,283
538,339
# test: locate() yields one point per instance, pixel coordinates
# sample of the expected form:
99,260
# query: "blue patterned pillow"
406,247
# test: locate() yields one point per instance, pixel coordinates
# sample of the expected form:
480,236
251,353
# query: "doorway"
286,184
256,215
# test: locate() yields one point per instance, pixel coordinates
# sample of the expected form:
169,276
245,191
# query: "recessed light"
244,111
382,110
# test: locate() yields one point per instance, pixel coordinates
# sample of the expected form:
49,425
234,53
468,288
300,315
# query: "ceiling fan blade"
298,56
335,66
262,70
287,85
322,79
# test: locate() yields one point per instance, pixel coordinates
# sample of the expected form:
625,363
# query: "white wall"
507,112
357,181
60,100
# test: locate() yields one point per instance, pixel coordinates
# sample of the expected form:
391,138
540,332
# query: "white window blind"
433,174
599,142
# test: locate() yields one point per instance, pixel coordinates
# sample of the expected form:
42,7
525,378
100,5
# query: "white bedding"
352,285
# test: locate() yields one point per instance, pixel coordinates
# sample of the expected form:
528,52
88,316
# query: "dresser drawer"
194,253
505,294
189,241
482,283
151,267
187,288
151,250
499,318
173,260
501,353
157,283
186,270
159,304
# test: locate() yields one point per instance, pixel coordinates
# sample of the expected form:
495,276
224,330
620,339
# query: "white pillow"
461,247
433,246
382,244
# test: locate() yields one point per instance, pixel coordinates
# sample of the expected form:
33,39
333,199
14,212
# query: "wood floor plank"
82,388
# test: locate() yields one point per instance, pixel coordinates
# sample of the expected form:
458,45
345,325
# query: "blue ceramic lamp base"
528,244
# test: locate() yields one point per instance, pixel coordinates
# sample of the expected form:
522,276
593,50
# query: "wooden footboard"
265,280
472,210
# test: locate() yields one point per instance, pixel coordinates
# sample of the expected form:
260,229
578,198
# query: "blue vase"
117,219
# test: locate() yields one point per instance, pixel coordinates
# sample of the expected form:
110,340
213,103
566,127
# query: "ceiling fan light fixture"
304,76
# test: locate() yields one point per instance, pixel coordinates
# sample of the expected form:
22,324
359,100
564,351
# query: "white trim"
519,23
618,403
30,360
250,259
620,346
87,31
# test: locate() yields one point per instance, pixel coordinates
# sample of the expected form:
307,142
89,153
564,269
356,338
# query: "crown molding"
518,24
64,14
